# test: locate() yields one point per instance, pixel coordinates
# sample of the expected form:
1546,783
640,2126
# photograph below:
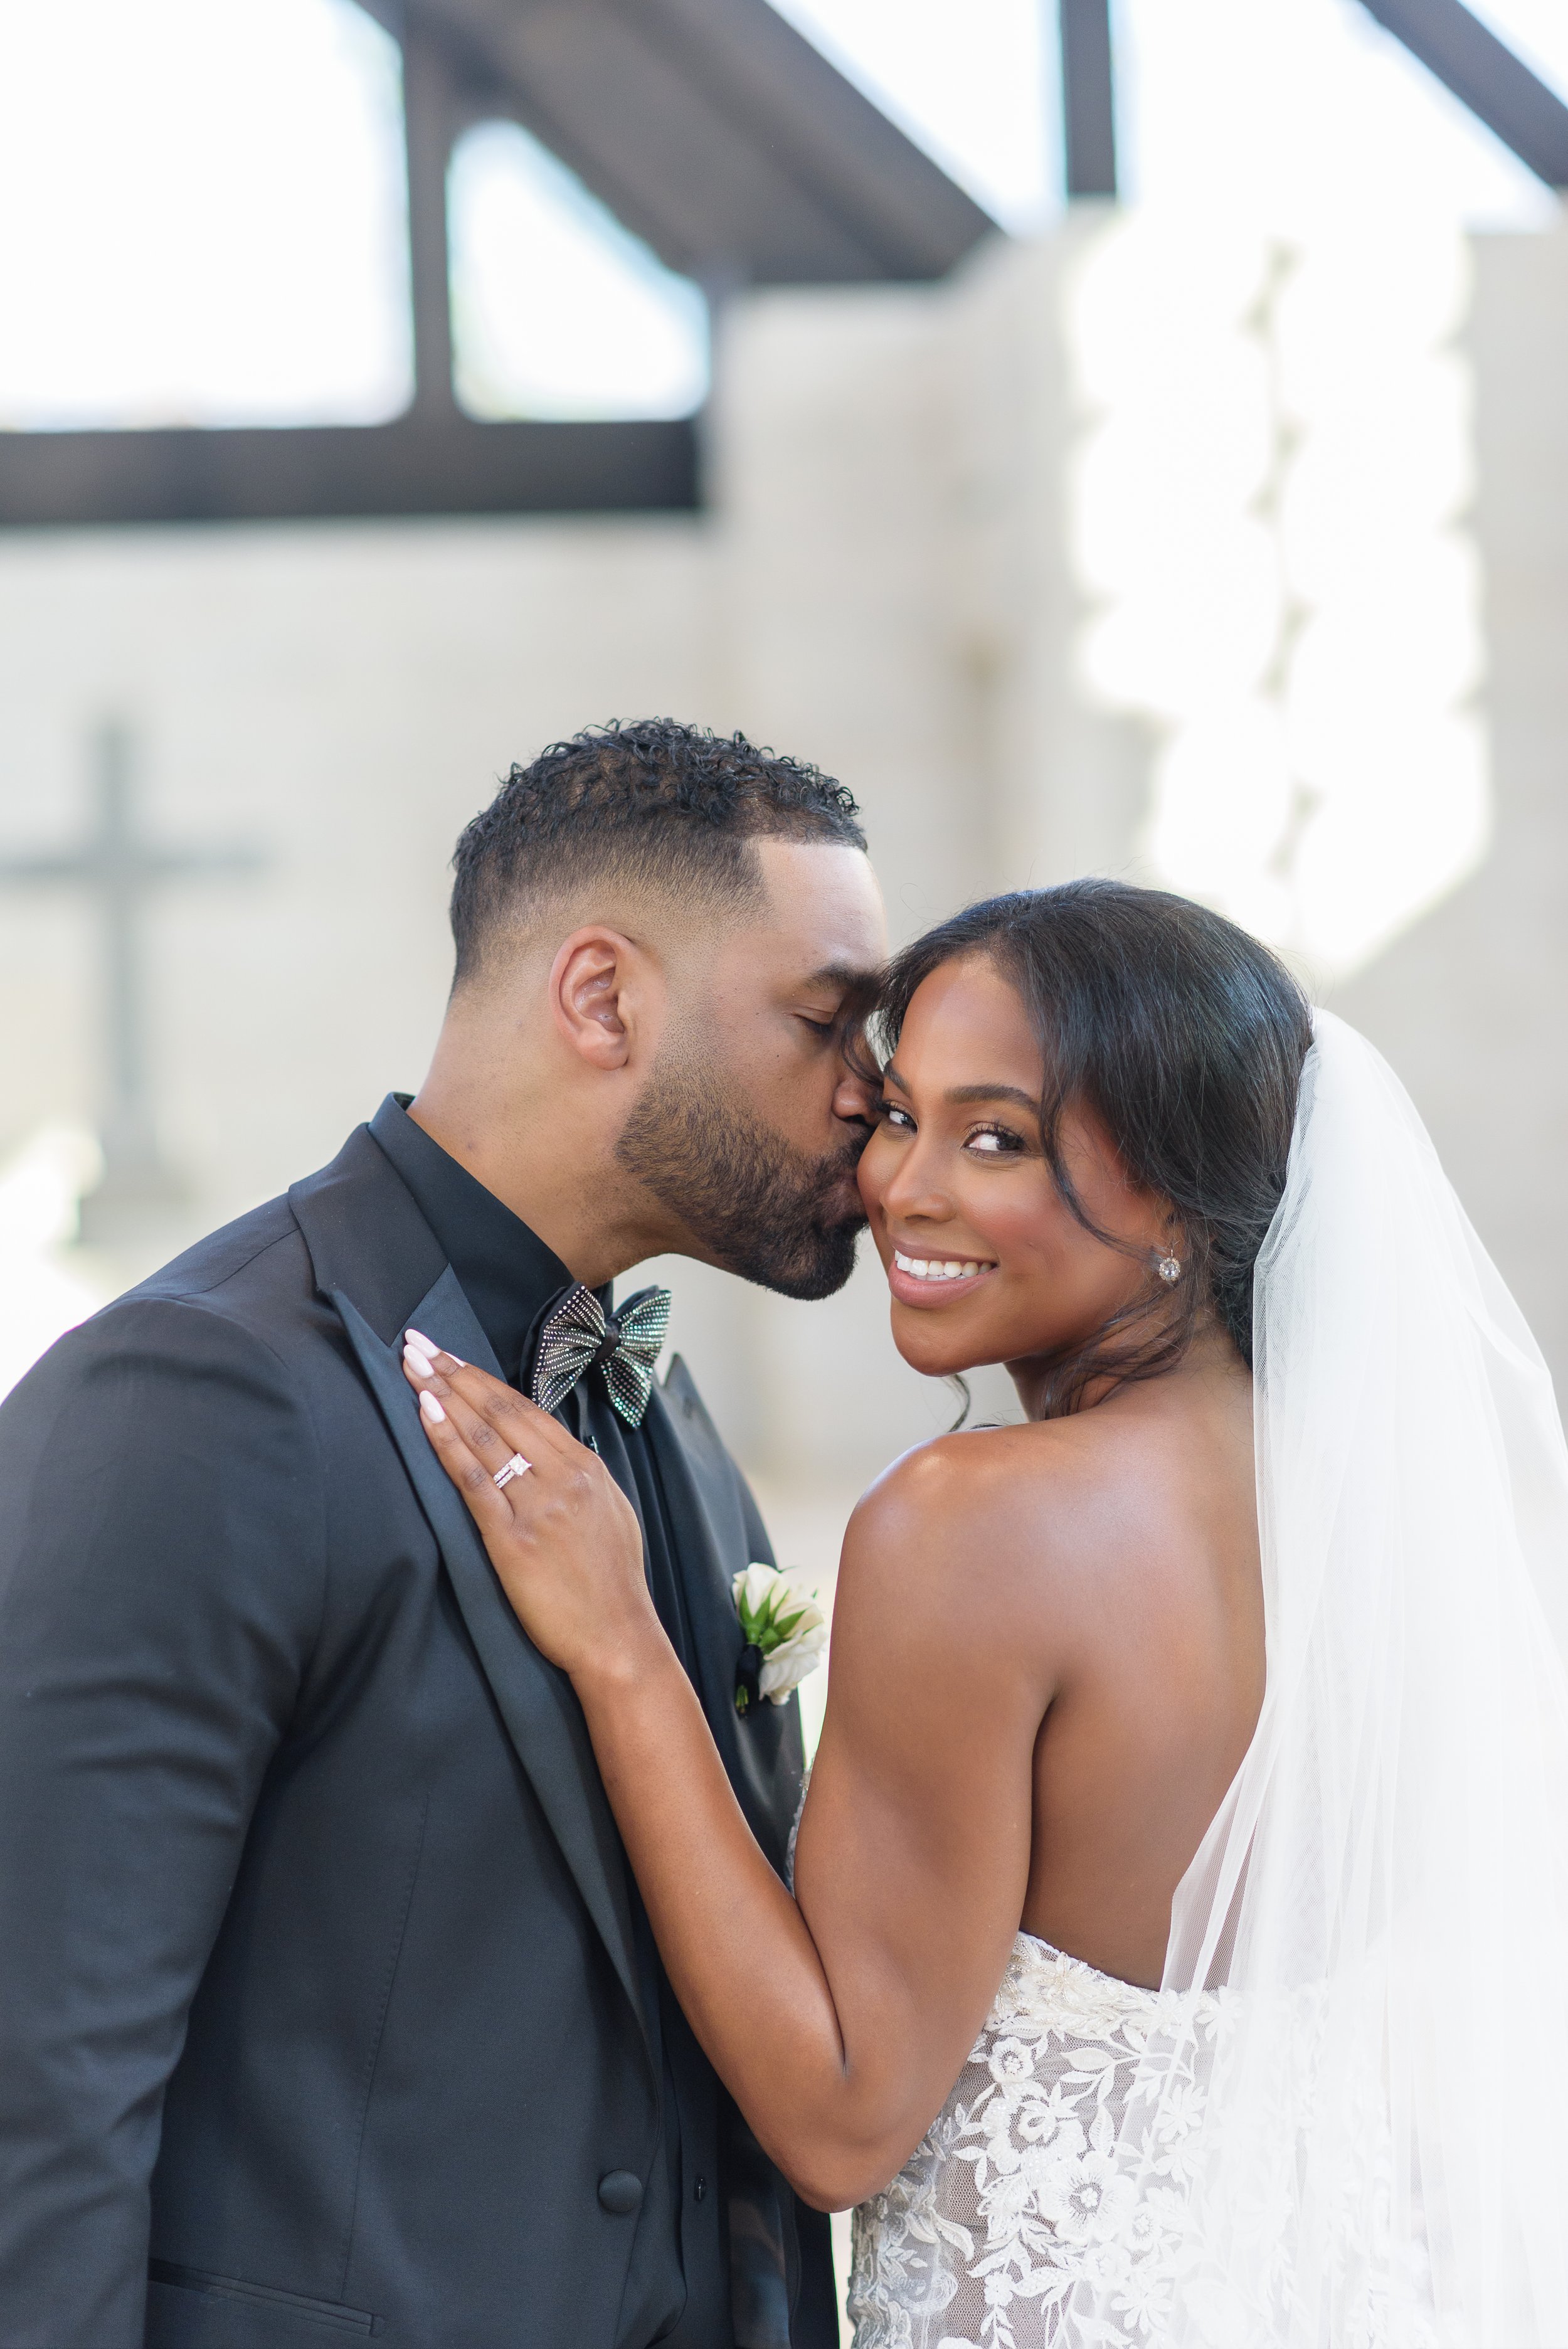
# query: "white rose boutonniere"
786,1632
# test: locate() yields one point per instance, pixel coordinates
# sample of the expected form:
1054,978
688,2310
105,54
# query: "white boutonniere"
786,1632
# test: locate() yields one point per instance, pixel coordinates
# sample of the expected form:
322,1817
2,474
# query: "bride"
1177,1949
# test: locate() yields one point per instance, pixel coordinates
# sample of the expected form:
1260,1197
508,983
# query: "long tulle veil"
1381,1905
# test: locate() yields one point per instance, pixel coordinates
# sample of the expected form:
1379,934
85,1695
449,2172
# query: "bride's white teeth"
935,1268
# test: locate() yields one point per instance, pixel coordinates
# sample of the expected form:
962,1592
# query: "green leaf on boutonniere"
785,1630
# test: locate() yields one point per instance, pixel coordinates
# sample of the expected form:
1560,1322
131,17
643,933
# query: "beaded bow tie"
580,1336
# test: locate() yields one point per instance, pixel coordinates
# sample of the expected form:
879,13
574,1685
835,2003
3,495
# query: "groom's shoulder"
254,1278
259,1269
205,1330
217,1318
253,1272
265,1243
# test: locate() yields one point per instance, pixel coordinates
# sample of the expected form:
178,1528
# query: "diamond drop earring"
1168,1267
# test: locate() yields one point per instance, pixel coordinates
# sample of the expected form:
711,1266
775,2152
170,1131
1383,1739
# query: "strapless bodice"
1031,2182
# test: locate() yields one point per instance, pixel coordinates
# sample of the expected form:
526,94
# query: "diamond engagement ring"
516,1466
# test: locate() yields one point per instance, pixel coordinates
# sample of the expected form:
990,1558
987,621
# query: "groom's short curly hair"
644,805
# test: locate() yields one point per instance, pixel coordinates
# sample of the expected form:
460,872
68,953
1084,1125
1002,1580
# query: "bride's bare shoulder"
1002,1504
963,1574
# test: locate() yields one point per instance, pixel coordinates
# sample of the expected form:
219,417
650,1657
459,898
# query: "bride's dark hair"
1184,1037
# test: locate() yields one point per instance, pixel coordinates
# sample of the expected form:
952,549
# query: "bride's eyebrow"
958,1094
995,1092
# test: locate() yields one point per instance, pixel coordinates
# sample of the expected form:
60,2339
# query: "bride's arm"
839,2020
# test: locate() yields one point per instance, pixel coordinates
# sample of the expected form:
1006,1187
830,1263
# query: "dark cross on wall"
121,869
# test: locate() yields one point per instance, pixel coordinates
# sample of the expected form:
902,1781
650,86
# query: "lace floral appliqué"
1034,2180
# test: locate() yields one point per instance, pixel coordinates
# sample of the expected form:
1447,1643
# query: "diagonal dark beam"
1088,97
713,130
1484,74
834,145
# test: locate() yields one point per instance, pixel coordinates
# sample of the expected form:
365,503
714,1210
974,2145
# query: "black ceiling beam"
1088,97
1484,74
345,472
838,148
714,130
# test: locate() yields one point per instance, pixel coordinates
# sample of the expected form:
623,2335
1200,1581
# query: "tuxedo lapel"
762,1755
536,1702
715,1534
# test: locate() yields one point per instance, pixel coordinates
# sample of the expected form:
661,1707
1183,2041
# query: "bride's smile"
937,1280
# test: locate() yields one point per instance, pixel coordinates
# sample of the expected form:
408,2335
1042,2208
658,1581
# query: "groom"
327,2005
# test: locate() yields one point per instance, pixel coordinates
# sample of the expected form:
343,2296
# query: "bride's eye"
994,1142
890,1115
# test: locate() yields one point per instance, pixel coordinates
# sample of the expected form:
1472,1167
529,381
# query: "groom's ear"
602,996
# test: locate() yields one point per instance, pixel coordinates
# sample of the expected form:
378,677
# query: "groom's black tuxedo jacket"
327,2007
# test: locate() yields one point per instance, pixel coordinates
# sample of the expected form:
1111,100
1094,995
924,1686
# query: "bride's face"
984,1260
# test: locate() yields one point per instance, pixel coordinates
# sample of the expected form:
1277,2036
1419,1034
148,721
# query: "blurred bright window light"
1273,477
203,214
1298,109
973,82
557,310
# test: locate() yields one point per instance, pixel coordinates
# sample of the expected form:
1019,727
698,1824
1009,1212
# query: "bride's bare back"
1151,1613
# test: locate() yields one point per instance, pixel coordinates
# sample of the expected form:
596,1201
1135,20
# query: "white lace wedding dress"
1034,2180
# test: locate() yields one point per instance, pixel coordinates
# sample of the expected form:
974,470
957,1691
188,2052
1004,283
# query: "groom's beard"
765,1210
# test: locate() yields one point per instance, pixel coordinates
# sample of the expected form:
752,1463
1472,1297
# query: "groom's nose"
854,1098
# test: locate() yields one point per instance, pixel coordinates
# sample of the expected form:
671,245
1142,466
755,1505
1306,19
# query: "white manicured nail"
417,1363
429,1346
429,1407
